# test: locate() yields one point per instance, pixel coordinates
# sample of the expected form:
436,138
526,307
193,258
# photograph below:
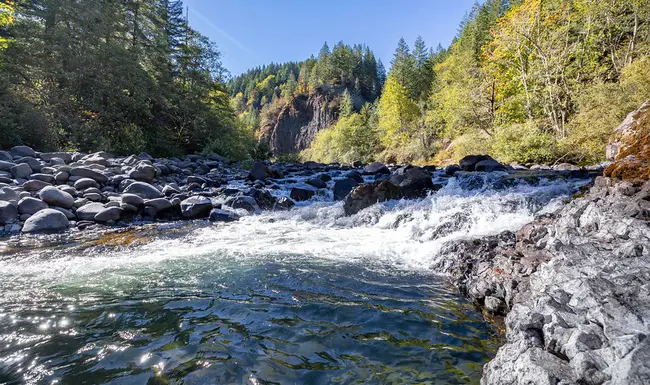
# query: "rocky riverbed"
572,283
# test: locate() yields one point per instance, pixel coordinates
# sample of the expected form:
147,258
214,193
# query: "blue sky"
255,32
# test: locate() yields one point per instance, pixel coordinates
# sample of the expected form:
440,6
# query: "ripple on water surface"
306,297
218,318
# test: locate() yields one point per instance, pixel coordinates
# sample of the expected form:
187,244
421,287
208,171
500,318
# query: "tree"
347,107
398,114
403,67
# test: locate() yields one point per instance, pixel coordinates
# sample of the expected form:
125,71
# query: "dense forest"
526,81
259,93
120,76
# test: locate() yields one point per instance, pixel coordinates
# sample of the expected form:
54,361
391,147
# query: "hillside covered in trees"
350,76
526,81
120,76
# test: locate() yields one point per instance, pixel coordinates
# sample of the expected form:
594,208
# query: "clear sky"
250,33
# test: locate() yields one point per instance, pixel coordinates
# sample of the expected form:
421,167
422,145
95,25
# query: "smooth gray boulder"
143,190
376,168
6,157
65,156
48,220
158,204
89,173
218,215
8,194
243,202
143,172
21,171
35,185
6,165
85,183
196,207
87,212
8,212
132,199
110,214
55,197
47,178
21,151
31,206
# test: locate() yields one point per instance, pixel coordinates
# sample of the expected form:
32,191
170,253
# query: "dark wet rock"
84,183
21,171
143,190
55,197
8,212
284,204
356,176
94,197
196,207
30,206
259,171
343,187
469,162
243,202
158,204
489,165
413,182
325,177
367,195
35,185
263,198
170,190
45,221
110,214
22,151
316,182
86,172
376,168
302,193
218,215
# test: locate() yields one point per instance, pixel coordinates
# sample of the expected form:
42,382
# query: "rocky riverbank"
574,284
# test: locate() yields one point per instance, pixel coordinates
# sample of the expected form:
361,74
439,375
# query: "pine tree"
403,67
347,107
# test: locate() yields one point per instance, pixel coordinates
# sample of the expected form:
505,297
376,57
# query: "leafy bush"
523,143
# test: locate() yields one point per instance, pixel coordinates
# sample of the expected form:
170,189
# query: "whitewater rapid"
403,235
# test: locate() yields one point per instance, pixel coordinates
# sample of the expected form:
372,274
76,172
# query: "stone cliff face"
299,121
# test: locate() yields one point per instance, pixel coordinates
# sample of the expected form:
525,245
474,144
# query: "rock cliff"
298,121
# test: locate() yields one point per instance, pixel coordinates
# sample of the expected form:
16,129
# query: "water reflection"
282,319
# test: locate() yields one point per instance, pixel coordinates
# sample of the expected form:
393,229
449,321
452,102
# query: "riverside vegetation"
333,270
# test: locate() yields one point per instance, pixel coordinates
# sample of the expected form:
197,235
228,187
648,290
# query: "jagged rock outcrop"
298,122
575,284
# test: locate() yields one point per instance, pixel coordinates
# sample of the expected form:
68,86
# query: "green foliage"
263,91
523,143
118,76
352,138
398,117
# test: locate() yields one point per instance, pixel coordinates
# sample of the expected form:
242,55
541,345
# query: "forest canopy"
112,75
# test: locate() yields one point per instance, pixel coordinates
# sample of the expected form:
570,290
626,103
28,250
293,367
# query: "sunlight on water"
306,296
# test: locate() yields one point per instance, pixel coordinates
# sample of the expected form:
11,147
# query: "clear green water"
182,311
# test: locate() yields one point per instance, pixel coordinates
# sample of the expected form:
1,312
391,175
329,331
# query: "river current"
301,297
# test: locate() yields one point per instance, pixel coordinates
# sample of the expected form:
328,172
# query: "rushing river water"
302,297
